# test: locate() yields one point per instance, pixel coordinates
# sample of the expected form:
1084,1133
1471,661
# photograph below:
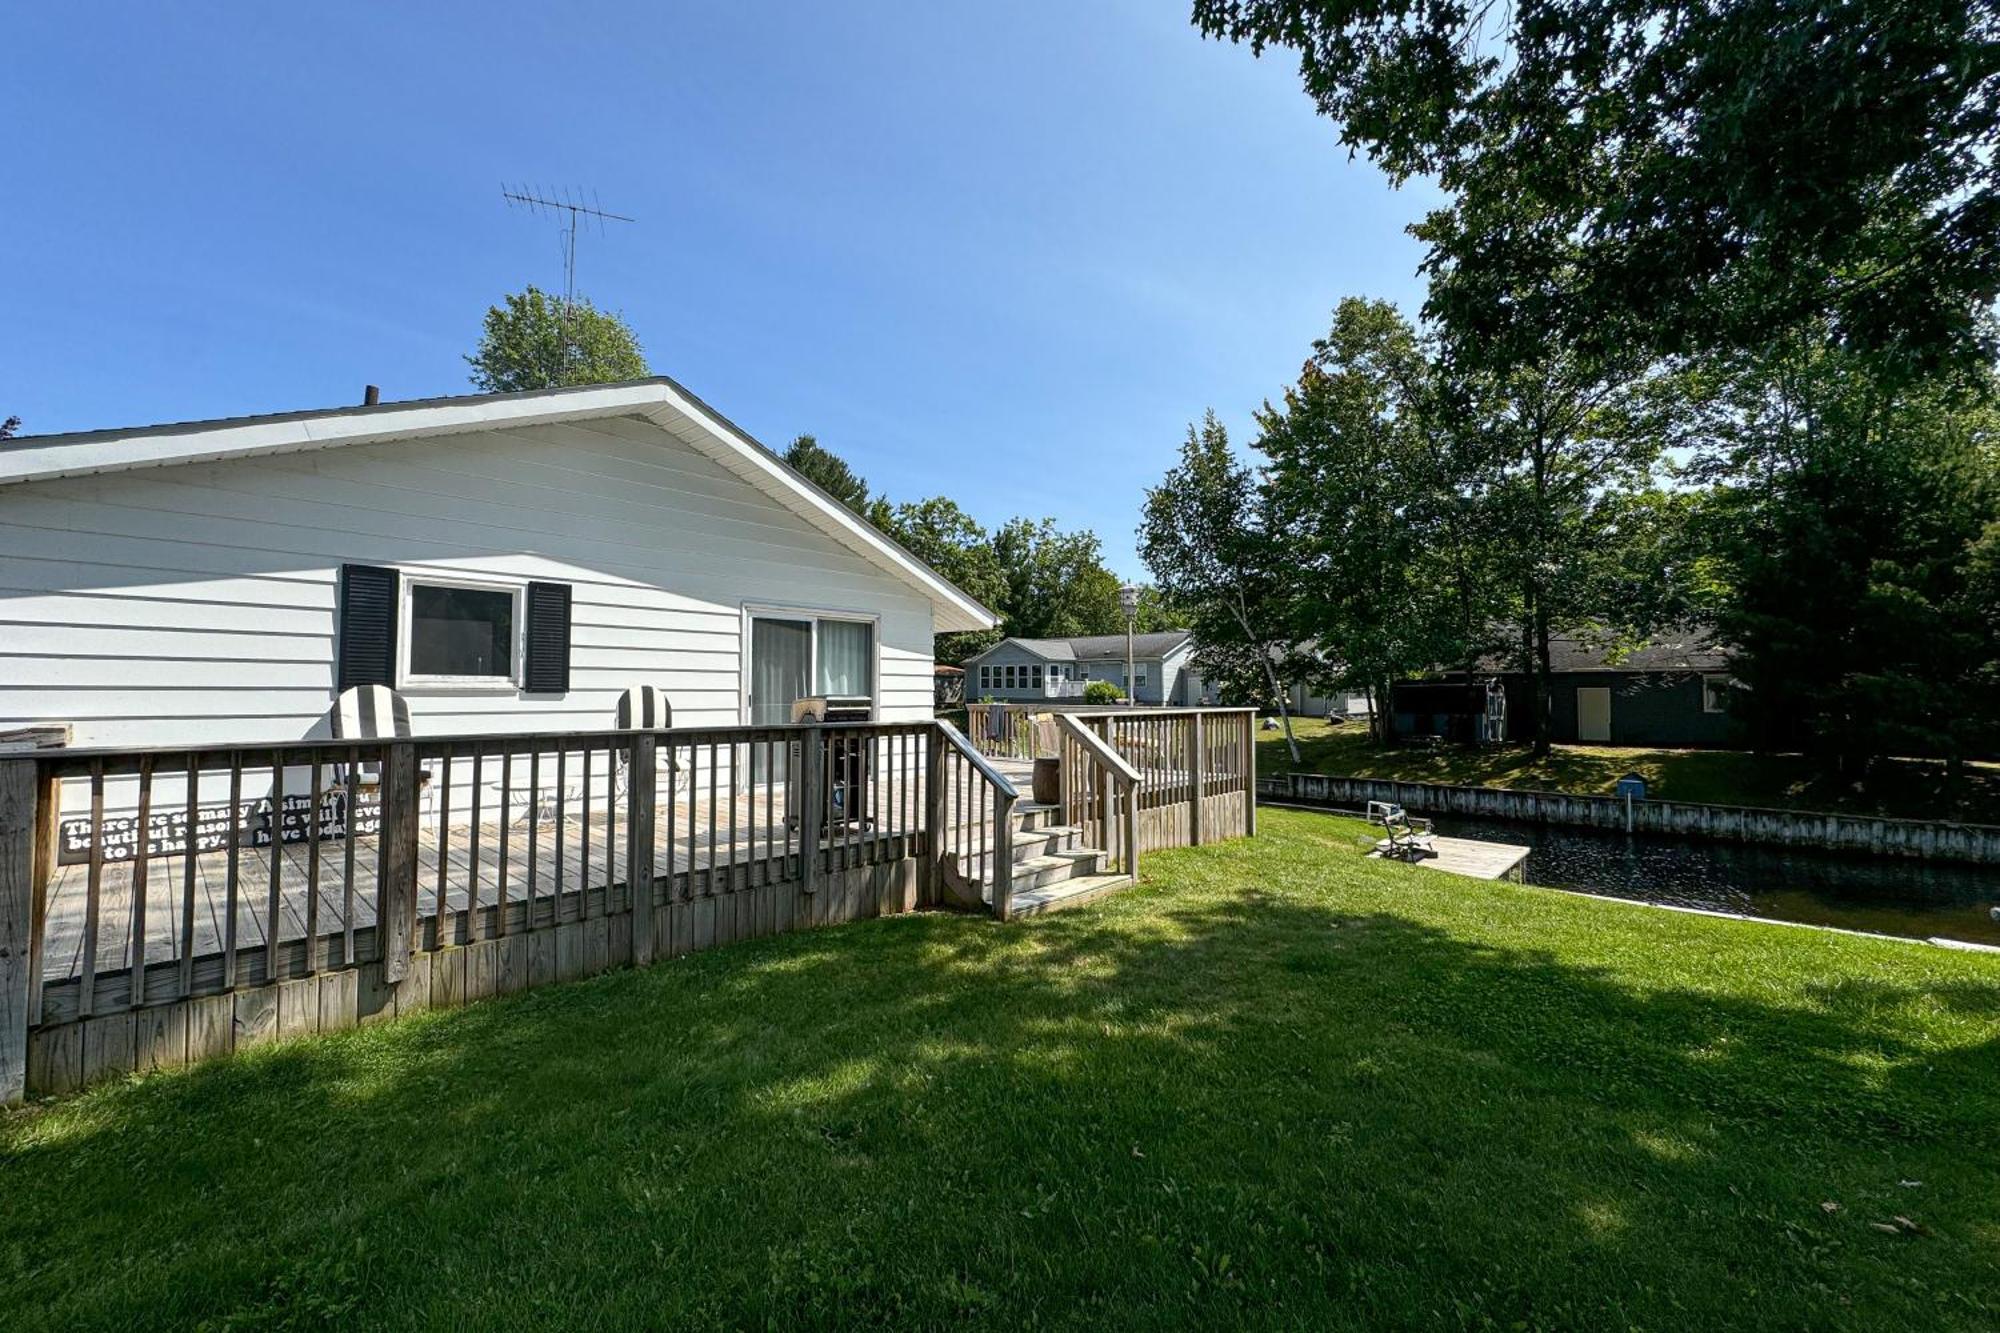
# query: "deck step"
1038,872
1068,893
1030,843
1033,815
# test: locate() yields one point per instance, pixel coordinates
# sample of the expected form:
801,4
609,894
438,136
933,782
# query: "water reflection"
1884,894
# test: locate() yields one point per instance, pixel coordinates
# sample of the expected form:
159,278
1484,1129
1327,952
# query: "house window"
1715,694
986,678
1139,676
459,633
1035,674
846,654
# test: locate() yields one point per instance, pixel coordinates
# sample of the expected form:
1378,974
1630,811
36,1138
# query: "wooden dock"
1470,857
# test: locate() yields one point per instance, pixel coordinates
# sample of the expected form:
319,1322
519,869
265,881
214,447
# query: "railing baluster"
562,840
694,795
583,864
442,931
229,891
506,837
351,816
472,844
534,834
93,890
188,874
275,907
708,879
315,794
140,870
611,875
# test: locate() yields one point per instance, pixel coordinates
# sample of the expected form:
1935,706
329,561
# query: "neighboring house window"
1035,674
986,678
1139,677
1715,694
460,633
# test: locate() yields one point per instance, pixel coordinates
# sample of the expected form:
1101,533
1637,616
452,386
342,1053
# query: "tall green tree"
537,341
1210,538
1724,171
950,541
830,472
1853,522
1374,492
1056,583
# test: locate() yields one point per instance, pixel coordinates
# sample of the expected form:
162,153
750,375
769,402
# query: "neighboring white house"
1015,670
510,562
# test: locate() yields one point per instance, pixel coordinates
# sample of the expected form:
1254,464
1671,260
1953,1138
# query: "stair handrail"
1125,777
979,761
1005,795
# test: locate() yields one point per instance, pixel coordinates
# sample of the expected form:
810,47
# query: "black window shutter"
366,646
546,670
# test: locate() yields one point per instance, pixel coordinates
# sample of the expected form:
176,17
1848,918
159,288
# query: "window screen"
461,631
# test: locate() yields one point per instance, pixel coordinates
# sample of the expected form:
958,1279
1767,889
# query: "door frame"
813,615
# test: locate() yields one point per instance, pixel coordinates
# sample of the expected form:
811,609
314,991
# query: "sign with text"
168,833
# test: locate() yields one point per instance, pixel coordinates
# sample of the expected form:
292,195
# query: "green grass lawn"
1910,789
1276,1085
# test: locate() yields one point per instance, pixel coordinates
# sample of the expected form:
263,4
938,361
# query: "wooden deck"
544,859
1470,857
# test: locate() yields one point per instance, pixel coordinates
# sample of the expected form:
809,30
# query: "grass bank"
1276,1085
1905,789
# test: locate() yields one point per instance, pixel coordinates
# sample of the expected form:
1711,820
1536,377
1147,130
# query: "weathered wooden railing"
161,906
975,823
1008,730
1100,792
1197,770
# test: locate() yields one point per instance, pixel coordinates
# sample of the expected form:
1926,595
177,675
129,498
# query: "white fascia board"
660,400
953,610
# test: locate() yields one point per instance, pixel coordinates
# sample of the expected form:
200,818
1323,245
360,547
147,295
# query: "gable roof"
660,400
1097,647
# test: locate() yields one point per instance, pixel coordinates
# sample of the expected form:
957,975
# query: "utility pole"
1128,602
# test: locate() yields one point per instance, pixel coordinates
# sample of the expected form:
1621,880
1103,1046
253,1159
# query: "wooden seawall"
1976,844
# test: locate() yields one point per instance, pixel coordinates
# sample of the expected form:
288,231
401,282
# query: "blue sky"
1003,253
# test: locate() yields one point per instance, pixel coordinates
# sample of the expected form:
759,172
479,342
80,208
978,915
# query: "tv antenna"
574,214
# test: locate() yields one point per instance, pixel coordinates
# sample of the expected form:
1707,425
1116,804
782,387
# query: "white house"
1018,669
509,562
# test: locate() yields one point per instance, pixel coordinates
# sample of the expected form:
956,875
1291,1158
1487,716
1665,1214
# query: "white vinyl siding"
197,602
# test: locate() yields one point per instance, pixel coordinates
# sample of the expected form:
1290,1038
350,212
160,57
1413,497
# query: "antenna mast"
574,214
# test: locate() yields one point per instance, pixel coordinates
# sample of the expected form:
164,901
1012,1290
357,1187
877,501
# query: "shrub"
1102,692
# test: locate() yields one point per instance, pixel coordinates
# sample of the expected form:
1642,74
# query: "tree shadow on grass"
1213,1106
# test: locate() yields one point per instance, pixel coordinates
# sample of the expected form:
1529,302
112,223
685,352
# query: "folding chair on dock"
1407,837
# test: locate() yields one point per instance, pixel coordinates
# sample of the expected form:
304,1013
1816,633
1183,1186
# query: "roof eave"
90,453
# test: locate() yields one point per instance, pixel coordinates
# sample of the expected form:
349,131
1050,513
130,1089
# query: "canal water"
1887,895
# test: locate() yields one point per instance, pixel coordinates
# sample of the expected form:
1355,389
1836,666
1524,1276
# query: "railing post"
936,814
1132,829
1003,855
1196,780
812,798
1249,775
641,801
20,828
396,898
